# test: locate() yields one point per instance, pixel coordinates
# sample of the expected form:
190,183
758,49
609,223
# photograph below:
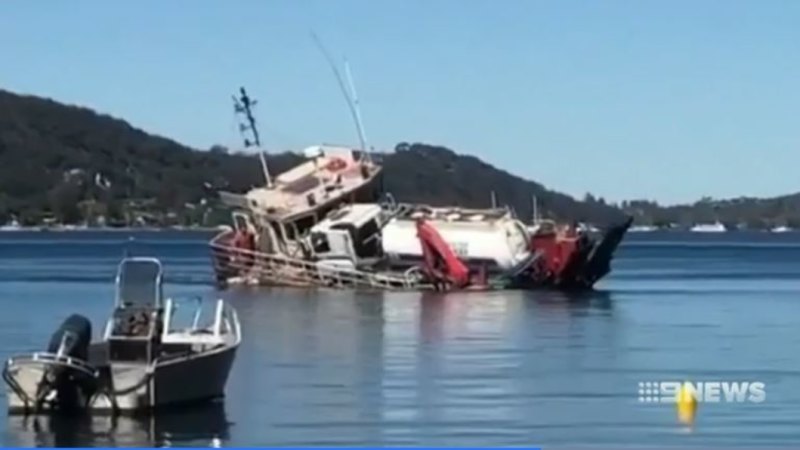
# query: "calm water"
521,369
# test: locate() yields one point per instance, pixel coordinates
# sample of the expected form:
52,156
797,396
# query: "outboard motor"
72,340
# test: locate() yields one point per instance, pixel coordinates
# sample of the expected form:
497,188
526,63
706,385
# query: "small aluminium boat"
145,360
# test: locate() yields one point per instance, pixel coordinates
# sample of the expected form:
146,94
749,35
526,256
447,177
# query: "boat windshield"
139,283
189,314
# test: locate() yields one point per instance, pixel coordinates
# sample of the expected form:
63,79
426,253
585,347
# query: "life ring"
336,165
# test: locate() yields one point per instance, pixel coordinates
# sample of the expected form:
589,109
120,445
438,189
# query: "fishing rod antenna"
243,105
349,95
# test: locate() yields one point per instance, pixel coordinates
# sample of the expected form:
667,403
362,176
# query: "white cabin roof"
356,214
310,184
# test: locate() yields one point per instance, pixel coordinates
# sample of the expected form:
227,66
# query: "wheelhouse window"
320,244
365,239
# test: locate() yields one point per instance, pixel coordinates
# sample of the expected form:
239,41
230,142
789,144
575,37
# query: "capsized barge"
327,223
411,247
145,360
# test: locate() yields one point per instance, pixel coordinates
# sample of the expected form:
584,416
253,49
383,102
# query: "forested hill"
743,212
67,163
437,175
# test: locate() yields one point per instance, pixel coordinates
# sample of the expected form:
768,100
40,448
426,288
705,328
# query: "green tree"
64,200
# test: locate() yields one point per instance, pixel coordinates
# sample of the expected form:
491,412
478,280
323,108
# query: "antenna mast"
351,103
356,107
244,105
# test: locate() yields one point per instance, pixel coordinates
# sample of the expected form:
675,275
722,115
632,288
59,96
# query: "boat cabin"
286,209
351,232
329,173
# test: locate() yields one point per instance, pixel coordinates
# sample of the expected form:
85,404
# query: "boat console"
134,327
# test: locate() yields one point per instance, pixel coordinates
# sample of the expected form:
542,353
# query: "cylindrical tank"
504,241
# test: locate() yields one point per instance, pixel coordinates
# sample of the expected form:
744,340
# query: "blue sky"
668,100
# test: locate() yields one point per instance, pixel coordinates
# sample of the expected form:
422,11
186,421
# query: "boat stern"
22,381
44,381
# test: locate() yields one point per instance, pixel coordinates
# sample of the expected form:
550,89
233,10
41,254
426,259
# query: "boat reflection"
435,308
573,301
204,426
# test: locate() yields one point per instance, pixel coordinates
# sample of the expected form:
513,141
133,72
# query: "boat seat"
133,321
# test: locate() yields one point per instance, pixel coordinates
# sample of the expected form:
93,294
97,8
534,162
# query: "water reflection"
467,368
502,312
204,426
574,301
369,371
366,368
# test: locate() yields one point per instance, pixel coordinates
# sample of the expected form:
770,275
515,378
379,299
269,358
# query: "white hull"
709,228
194,379
199,378
185,380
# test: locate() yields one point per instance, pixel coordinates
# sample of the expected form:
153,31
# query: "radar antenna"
244,105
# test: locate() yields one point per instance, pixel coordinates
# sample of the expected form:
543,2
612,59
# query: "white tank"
504,240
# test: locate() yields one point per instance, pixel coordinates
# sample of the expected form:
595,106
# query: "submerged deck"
258,268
